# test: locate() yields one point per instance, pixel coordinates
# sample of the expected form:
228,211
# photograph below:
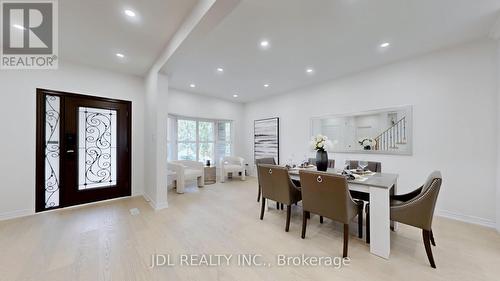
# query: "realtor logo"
29,34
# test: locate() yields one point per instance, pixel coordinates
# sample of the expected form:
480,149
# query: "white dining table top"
381,180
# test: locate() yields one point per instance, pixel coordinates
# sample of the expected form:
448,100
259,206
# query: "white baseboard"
466,218
153,204
16,214
28,212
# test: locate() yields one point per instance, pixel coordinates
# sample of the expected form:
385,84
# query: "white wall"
192,105
454,98
150,171
155,150
17,112
498,136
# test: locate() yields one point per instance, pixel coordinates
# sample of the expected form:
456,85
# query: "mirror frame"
409,129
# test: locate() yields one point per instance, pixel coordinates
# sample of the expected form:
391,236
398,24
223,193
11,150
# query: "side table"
210,175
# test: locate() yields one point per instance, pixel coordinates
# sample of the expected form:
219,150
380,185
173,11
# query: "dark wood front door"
83,149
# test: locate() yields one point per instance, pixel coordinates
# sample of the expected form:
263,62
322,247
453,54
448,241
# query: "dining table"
379,186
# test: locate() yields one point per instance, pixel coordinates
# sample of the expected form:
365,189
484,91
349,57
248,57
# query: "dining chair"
372,166
331,162
276,185
417,209
328,195
268,160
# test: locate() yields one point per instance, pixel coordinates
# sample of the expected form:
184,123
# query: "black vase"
322,160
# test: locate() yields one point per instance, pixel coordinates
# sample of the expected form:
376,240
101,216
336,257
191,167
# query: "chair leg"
320,219
304,224
346,239
262,208
360,221
432,239
288,214
281,206
258,195
308,215
367,223
277,205
427,243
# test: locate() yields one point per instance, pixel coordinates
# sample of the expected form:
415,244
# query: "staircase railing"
392,137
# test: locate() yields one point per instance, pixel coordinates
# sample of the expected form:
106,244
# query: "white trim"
153,204
16,214
28,212
466,218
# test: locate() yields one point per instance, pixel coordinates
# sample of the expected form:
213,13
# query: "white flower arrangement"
320,143
367,143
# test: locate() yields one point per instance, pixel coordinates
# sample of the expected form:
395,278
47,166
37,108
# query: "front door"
83,149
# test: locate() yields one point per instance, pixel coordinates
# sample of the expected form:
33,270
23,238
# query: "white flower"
320,142
312,144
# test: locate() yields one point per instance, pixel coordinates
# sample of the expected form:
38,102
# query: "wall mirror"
383,131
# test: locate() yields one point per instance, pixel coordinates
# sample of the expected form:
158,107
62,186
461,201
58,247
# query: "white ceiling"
335,37
92,31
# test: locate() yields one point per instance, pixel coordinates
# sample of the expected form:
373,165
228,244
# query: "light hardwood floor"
105,242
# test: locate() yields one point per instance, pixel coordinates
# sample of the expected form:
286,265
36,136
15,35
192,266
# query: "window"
206,141
224,141
198,139
186,140
171,151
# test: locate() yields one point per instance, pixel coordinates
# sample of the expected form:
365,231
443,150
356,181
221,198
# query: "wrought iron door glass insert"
96,148
52,148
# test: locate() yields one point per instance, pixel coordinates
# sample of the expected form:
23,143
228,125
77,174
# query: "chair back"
436,175
419,211
275,183
372,166
267,160
331,162
327,195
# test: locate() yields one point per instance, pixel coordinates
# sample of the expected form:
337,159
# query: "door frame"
40,145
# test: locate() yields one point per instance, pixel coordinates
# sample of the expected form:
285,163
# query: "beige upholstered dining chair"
270,161
277,186
328,195
417,209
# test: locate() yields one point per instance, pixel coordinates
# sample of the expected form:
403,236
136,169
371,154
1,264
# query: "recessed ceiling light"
192,85
235,96
309,70
129,13
220,69
266,85
19,26
120,55
264,43
385,45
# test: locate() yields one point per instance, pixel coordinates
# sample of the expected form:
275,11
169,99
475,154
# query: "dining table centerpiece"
321,144
367,143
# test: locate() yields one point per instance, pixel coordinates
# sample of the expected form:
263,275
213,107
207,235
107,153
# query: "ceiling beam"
182,33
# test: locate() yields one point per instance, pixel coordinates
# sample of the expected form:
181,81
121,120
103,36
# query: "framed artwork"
267,139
